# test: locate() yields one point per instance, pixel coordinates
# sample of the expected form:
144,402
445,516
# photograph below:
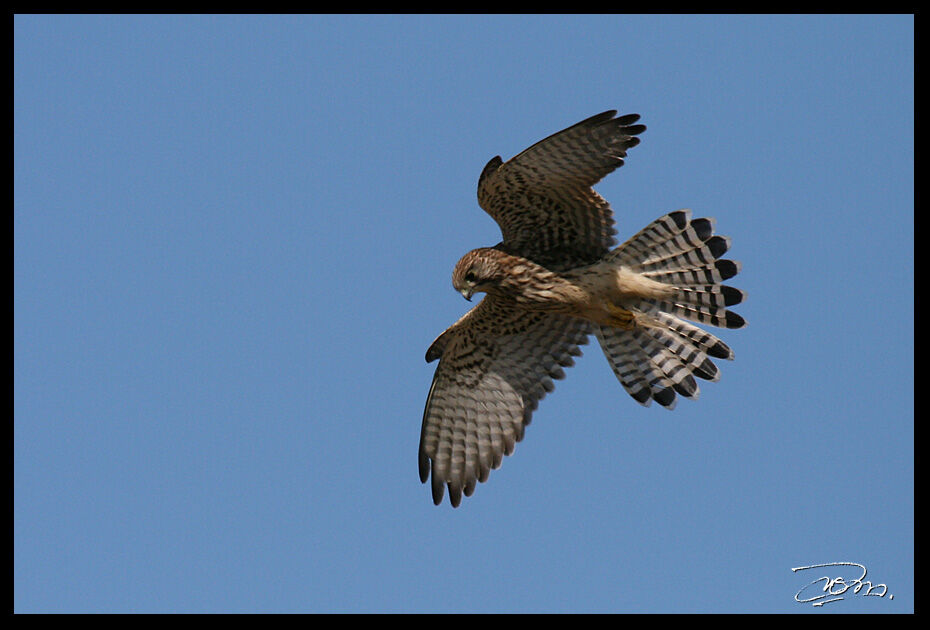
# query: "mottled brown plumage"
552,282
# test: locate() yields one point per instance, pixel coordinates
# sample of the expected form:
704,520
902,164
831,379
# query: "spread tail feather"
660,356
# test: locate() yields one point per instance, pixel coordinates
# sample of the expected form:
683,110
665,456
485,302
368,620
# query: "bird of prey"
555,279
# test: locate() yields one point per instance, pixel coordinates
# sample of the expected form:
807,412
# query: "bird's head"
478,270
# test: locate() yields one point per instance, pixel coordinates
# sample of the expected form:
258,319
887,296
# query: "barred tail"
662,353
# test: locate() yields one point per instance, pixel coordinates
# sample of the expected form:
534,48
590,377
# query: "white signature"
834,588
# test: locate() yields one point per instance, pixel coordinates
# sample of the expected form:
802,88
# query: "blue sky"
233,243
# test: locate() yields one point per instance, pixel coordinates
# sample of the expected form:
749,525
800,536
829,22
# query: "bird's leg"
618,317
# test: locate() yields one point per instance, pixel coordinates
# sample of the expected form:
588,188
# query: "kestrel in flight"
554,280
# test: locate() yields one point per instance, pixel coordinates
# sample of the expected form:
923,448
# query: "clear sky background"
233,243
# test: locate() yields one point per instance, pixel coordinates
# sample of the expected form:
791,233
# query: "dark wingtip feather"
455,494
598,119
438,488
627,119
424,466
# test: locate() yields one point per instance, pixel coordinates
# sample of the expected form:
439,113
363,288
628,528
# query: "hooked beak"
466,293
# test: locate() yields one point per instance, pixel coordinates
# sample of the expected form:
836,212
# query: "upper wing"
497,362
542,198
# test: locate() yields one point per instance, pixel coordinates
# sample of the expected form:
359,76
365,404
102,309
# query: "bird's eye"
470,276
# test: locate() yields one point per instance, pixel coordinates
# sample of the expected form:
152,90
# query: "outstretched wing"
542,198
496,363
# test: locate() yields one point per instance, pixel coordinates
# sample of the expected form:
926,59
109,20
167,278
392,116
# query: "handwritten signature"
834,588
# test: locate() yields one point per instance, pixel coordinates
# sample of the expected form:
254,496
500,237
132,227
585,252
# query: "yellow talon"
620,318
